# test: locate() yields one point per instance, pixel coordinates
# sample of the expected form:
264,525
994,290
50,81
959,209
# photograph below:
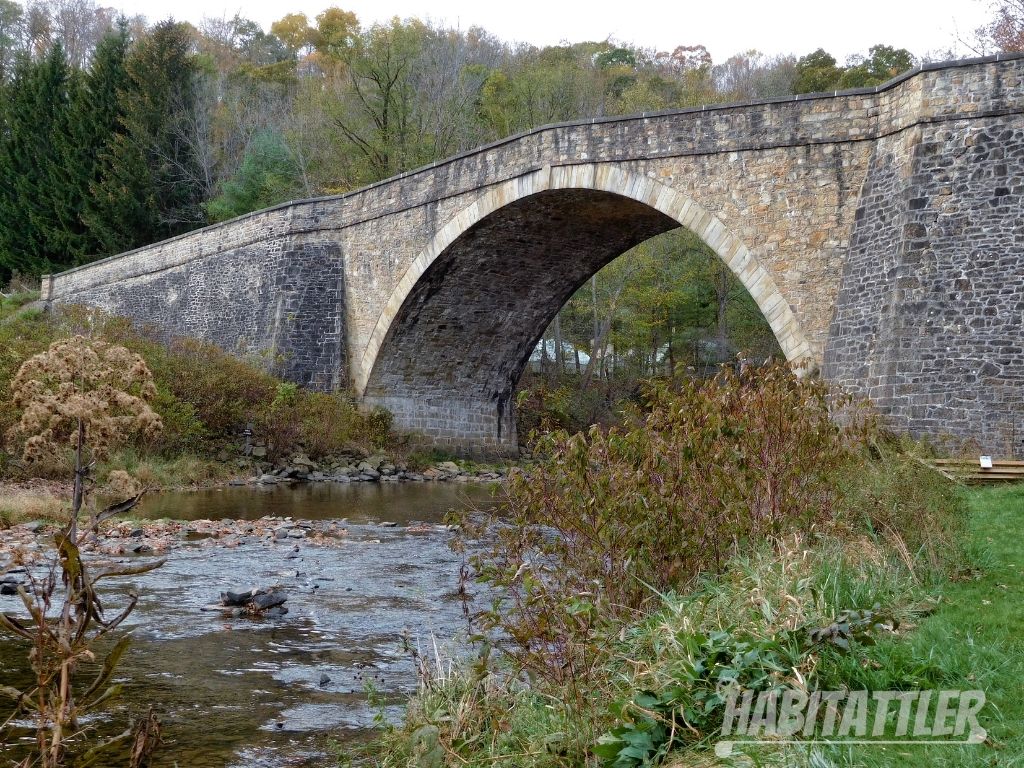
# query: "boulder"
261,601
237,598
258,600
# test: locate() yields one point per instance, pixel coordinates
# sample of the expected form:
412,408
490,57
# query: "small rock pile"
372,469
269,603
11,579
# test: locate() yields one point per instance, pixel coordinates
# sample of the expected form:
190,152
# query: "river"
279,692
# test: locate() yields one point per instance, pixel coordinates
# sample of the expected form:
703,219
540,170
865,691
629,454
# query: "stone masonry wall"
929,320
839,201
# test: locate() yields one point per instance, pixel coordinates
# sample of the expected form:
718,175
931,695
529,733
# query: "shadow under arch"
450,343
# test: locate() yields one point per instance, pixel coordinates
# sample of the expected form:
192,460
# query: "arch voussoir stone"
681,208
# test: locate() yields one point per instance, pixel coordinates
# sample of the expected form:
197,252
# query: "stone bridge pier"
878,230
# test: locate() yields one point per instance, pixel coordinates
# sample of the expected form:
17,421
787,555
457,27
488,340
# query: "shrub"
906,503
204,396
86,396
611,518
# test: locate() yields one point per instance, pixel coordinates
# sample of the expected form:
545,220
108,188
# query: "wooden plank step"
985,470
974,462
971,472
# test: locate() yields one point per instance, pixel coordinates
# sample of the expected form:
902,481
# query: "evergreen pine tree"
94,121
30,170
147,188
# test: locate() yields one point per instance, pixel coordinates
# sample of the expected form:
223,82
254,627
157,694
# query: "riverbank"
960,632
47,501
216,417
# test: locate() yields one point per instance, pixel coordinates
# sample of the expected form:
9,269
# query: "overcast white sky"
724,26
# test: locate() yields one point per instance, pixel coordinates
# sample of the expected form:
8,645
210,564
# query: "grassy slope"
12,303
975,640
977,637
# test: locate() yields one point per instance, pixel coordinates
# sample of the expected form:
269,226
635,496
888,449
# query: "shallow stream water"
251,692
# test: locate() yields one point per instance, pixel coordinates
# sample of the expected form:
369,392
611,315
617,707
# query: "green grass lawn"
974,640
977,635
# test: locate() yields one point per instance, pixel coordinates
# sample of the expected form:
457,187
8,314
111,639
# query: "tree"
150,185
551,85
817,72
337,33
94,120
377,114
37,29
79,25
31,180
11,31
295,33
882,63
268,175
1006,30
752,75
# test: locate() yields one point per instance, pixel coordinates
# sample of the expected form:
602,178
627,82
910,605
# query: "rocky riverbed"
367,574
350,468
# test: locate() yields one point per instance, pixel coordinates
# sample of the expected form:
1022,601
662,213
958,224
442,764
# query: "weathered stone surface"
877,230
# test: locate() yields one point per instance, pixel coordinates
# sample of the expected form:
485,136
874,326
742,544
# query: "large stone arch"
640,208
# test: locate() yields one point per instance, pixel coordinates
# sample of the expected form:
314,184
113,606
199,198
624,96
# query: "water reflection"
358,502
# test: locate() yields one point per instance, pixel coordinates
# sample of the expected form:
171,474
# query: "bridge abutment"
478,429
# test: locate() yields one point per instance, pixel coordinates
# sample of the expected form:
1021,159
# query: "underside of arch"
453,339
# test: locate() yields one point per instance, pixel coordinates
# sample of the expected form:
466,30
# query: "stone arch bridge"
878,230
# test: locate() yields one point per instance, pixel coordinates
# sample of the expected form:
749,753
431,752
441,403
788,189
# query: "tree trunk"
722,291
559,352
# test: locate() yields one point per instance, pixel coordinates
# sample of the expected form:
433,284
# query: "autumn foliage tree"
1006,30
